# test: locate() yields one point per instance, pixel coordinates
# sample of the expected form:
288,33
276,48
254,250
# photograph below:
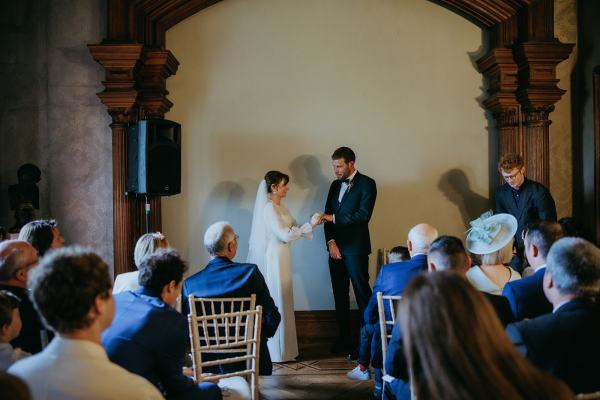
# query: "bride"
273,229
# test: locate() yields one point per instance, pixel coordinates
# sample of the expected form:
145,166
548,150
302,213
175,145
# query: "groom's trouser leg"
340,283
358,270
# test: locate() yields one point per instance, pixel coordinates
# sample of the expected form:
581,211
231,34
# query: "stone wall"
50,115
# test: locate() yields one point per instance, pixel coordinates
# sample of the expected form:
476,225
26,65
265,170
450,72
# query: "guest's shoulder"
129,385
535,186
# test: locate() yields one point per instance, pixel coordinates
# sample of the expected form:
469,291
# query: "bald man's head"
420,238
16,258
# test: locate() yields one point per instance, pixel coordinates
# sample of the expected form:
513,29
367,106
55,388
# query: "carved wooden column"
120,98
157,66
537,93
499,67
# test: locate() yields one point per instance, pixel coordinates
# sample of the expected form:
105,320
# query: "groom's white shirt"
344,187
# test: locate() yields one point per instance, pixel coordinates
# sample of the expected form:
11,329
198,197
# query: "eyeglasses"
511,177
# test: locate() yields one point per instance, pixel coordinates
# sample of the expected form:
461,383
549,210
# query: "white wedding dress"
278,229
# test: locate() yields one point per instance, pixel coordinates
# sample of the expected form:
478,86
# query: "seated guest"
43,235
148,336
446,253
146,244
491,237
565,342
455,348
10,327
223,277
398,253
526,296
391,281
17,258
71,289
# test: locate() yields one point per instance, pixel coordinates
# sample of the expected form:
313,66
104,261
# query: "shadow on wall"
224,203
455,185
310,256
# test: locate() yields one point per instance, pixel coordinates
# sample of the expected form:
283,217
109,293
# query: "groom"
348,210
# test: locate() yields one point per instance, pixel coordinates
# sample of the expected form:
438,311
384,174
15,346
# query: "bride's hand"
316,219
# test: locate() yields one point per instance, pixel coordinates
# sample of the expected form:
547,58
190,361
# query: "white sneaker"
357,375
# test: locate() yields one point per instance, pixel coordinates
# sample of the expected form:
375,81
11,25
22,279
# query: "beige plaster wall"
279,84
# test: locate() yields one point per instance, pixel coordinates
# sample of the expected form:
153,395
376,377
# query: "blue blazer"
225,278
564,343
149,338
391,281
526,296
352,215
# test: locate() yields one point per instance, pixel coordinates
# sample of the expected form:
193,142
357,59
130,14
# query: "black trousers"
355,269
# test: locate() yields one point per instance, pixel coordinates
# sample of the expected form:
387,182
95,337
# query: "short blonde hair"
510,161
148,244
501,256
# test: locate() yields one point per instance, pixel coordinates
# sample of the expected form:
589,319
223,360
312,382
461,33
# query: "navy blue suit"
395,362
564,343
391,281
225,278
526,296
351,234
534,203
150,338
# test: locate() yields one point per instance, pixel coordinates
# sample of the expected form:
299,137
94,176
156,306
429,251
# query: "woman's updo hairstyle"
275,178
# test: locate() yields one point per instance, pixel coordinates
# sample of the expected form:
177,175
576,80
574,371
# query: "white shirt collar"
559,305
539,267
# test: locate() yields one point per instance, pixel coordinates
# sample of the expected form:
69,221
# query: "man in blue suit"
526,296
223,277
391,281
526,200
446,253
565,342
149,337
348,209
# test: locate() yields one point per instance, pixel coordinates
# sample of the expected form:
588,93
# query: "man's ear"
409,245
534,250
523,170
431,267
21,275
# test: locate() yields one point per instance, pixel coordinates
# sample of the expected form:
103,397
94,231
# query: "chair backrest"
588,396
234,336
392,303
219,305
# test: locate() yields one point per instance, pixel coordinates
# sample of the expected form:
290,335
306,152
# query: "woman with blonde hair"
456,347
491,238
147,244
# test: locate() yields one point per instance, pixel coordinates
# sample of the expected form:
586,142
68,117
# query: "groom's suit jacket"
351,228
225,278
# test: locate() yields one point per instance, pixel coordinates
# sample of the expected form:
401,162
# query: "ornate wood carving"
597,150
520,68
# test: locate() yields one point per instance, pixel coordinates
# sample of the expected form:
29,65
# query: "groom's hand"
327,218
334,251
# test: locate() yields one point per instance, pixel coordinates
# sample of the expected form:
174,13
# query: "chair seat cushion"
235,388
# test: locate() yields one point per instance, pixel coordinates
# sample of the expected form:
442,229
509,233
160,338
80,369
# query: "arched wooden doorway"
520,68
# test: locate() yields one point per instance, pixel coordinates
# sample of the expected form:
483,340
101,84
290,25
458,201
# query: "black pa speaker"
154,157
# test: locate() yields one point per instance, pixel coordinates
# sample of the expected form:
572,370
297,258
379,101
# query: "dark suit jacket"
526,296
225,278
149,338
30,337
564,343
535,203
352,215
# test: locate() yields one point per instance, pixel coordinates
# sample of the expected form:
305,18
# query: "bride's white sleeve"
277,225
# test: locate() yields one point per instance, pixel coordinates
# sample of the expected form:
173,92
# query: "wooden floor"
317,375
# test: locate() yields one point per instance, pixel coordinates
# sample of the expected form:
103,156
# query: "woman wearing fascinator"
491,237
273,229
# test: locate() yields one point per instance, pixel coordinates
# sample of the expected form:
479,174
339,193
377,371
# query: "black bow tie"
346,181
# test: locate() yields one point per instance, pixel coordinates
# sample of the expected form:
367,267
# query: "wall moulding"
521,73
